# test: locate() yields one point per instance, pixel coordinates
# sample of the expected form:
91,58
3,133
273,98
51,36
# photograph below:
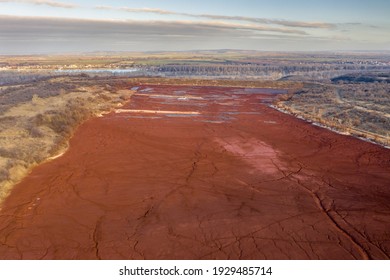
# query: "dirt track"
239,180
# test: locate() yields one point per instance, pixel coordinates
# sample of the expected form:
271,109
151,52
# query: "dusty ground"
222,176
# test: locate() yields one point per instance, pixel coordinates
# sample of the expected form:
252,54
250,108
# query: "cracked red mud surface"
235,180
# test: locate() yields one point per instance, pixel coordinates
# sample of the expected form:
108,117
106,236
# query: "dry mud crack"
185,172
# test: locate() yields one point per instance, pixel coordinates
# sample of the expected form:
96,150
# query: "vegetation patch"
361,109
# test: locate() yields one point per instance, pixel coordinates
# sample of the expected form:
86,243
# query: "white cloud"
51,3
286,23
23,35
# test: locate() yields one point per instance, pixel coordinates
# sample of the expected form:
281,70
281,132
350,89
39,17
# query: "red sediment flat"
238,181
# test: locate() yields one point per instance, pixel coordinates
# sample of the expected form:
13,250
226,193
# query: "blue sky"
51,26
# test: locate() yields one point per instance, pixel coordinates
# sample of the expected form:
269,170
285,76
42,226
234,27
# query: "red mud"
238,181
